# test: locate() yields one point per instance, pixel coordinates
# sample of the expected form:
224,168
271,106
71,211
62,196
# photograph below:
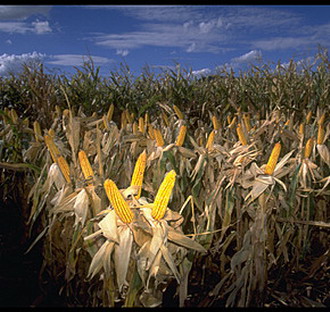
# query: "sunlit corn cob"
158,137
215,122
141,125
181,136
210,141
37,130
118,202
241,135
302,128
273,158
146,118
151,132
110,112
64,167
163,196
232,123
52,148
85,167
165,119
247,122
105,122
309,117
228,120
178,112
321,120
135,128
287,123
320,134
51,132
138,173
308,148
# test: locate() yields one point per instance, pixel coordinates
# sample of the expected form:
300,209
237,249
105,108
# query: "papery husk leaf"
257,190
97,261
81,207
324,153
282,162
123,255
108,226
169,260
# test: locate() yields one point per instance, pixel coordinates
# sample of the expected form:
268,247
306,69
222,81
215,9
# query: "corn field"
215,189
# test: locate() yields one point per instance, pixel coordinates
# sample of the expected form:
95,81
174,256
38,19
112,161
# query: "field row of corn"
127,203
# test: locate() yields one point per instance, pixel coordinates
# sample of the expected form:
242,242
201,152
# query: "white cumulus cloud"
75,59
249,57
201,72
21,12
122,52
13,62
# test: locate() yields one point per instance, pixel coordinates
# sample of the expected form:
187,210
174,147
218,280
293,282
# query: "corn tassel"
178,112
270,167
118,202
138,173
181,136
308,148
320,134
64,167
85,166
210,141
163,196
158,136
215,122
309,117
241,135
52,148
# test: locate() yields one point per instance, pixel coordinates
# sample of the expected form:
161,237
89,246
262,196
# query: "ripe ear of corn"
163,196
301,128
273,158
215,122
159,137
320,134
309,117
85,166
308,148
241,135
210,141
178,112
135,128
138,173
247,122
321,120
52,148
64,167
165,119
110,112
181,136
141,125
118,202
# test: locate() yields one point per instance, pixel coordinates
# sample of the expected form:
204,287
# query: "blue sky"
202,38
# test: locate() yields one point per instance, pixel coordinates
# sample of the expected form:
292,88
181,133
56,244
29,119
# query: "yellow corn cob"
135,128
118,202
54,151
302,128
85,166
137,177
37,130
164,116
287,123
232,123
200,141
141,125
241,135
181,136
215,122
110,112
151,132
123,120
105,122
229,120
321,120
163,196
320,134
308,148
146,118
247,123
51,132
64,167
210,141
178,112
273,158
309,117
159,138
